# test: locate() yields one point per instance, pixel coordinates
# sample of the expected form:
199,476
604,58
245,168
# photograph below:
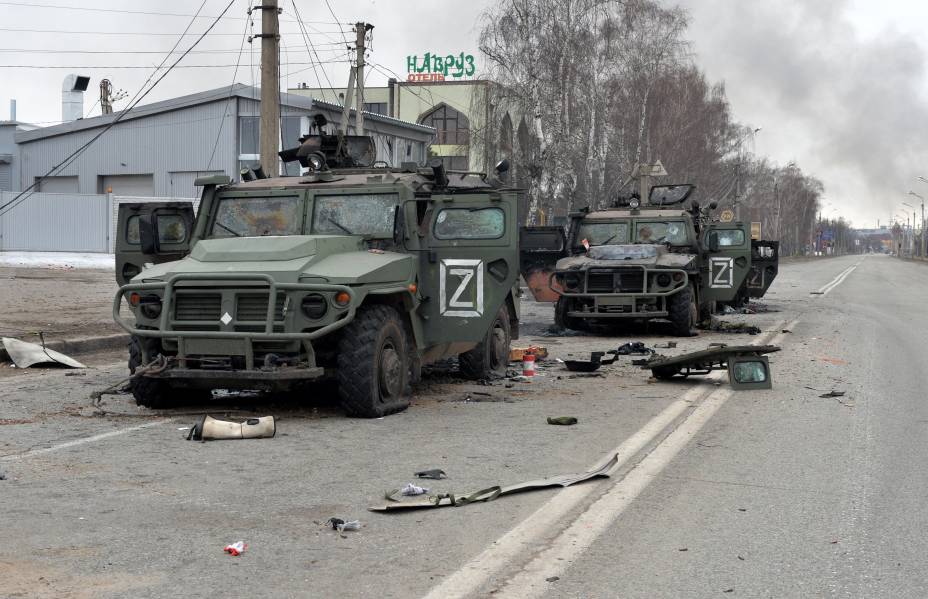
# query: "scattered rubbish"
742,509
516,353
552,579
586,375
2,476
211,429
183,428
343,525
411,489
635,347
528,365
668,345
833,394
435,473
24,355
587,364
741,558
747,367
723,326
236,548
786,331
641,362
683,549
727,309
75,374
729,591
833,361
494,492
562,420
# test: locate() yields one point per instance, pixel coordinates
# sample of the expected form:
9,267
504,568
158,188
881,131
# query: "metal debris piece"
435,473
494,492
562,420
722,326
584,364
833,394
747,366
633,347
343,525
24,354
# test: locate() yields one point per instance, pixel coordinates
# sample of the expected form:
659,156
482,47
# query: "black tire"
562,320
491,356
706,310
665,373
373,363
683,313
148,392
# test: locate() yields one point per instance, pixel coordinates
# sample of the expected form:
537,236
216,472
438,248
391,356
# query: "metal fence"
64,222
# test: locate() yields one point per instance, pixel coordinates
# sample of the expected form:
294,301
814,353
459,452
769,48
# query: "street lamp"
912,227
921,245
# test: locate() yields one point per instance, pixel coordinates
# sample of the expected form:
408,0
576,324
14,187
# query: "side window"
132,230
470,223
171,228
731,237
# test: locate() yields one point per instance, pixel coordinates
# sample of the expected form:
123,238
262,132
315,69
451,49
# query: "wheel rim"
390,378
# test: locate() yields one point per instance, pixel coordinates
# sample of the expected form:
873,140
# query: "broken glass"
367,214
258,216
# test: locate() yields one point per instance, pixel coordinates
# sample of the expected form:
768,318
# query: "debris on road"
588,363
411,489
552,579
562,420
723,326
24,354
236,548
211,429
832,394
343,525
634,347
494,492
668,345
517,353
747,367
435,473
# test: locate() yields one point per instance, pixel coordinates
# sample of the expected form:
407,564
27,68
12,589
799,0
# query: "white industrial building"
159,149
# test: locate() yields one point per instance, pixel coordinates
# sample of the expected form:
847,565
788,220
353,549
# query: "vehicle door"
470,264
151,233
727,261
765,263
540,248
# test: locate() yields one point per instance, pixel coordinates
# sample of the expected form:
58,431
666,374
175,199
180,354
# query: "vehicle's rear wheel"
373,363
683,313
491,356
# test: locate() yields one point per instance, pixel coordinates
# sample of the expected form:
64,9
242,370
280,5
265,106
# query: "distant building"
159,149
8,162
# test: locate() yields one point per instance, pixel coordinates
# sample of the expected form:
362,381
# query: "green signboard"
435,67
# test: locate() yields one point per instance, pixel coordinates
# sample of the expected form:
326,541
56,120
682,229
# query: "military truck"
353,272
659,260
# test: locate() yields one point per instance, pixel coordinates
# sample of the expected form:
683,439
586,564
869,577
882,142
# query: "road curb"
81,345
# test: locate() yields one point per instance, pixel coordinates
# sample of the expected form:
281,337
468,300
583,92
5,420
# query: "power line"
309,43
332,12
159,52
130,12
139,96
94,66
137,33
225,111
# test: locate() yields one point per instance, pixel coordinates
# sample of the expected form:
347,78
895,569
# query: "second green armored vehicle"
355,273
660,260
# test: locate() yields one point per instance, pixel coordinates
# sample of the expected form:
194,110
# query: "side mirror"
502,166
148,234
713,241
749,372
399,225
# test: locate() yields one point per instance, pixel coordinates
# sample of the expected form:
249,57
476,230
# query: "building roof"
238,90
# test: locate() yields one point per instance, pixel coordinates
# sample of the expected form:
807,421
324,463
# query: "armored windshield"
367,214
258,216
665,231
602,233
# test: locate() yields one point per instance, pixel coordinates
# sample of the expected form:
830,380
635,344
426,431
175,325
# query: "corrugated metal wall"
6,177
176,141
56,222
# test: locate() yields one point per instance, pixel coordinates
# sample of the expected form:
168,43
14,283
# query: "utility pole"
356,82
270,87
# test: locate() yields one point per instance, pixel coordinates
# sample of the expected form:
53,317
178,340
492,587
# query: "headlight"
663,279
150,305
314,306
571,281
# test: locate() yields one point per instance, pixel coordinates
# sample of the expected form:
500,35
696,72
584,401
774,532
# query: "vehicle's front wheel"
562,320
683,313
148,392
373,363
491,356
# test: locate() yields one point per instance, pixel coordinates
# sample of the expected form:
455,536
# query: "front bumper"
646,303
243,340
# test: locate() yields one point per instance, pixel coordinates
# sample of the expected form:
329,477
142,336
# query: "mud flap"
539,250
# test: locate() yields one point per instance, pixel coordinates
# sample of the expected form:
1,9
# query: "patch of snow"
59,260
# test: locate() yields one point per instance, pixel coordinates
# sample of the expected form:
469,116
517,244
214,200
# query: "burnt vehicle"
352,271
660,260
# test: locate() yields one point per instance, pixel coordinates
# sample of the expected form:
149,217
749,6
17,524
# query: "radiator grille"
197,306
253,307
630,281
599,282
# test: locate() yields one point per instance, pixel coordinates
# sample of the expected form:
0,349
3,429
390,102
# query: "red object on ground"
528,365
236,548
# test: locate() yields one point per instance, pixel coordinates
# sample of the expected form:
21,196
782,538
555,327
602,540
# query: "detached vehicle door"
151,233
765,263
728,260
540,248
470,264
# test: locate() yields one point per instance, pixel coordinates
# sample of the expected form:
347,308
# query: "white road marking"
85,440
581,532
837,280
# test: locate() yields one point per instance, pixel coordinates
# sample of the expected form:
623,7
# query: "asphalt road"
775,493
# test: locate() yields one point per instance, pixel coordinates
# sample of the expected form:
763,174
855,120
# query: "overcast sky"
839,86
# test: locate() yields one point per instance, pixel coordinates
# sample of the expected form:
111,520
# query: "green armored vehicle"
660,260
357,274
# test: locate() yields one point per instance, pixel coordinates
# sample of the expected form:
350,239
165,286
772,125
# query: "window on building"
376,107
290,129
452,126
249,129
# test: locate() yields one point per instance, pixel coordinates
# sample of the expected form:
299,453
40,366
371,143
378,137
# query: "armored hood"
626,255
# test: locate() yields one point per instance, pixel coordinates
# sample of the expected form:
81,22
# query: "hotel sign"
434,67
